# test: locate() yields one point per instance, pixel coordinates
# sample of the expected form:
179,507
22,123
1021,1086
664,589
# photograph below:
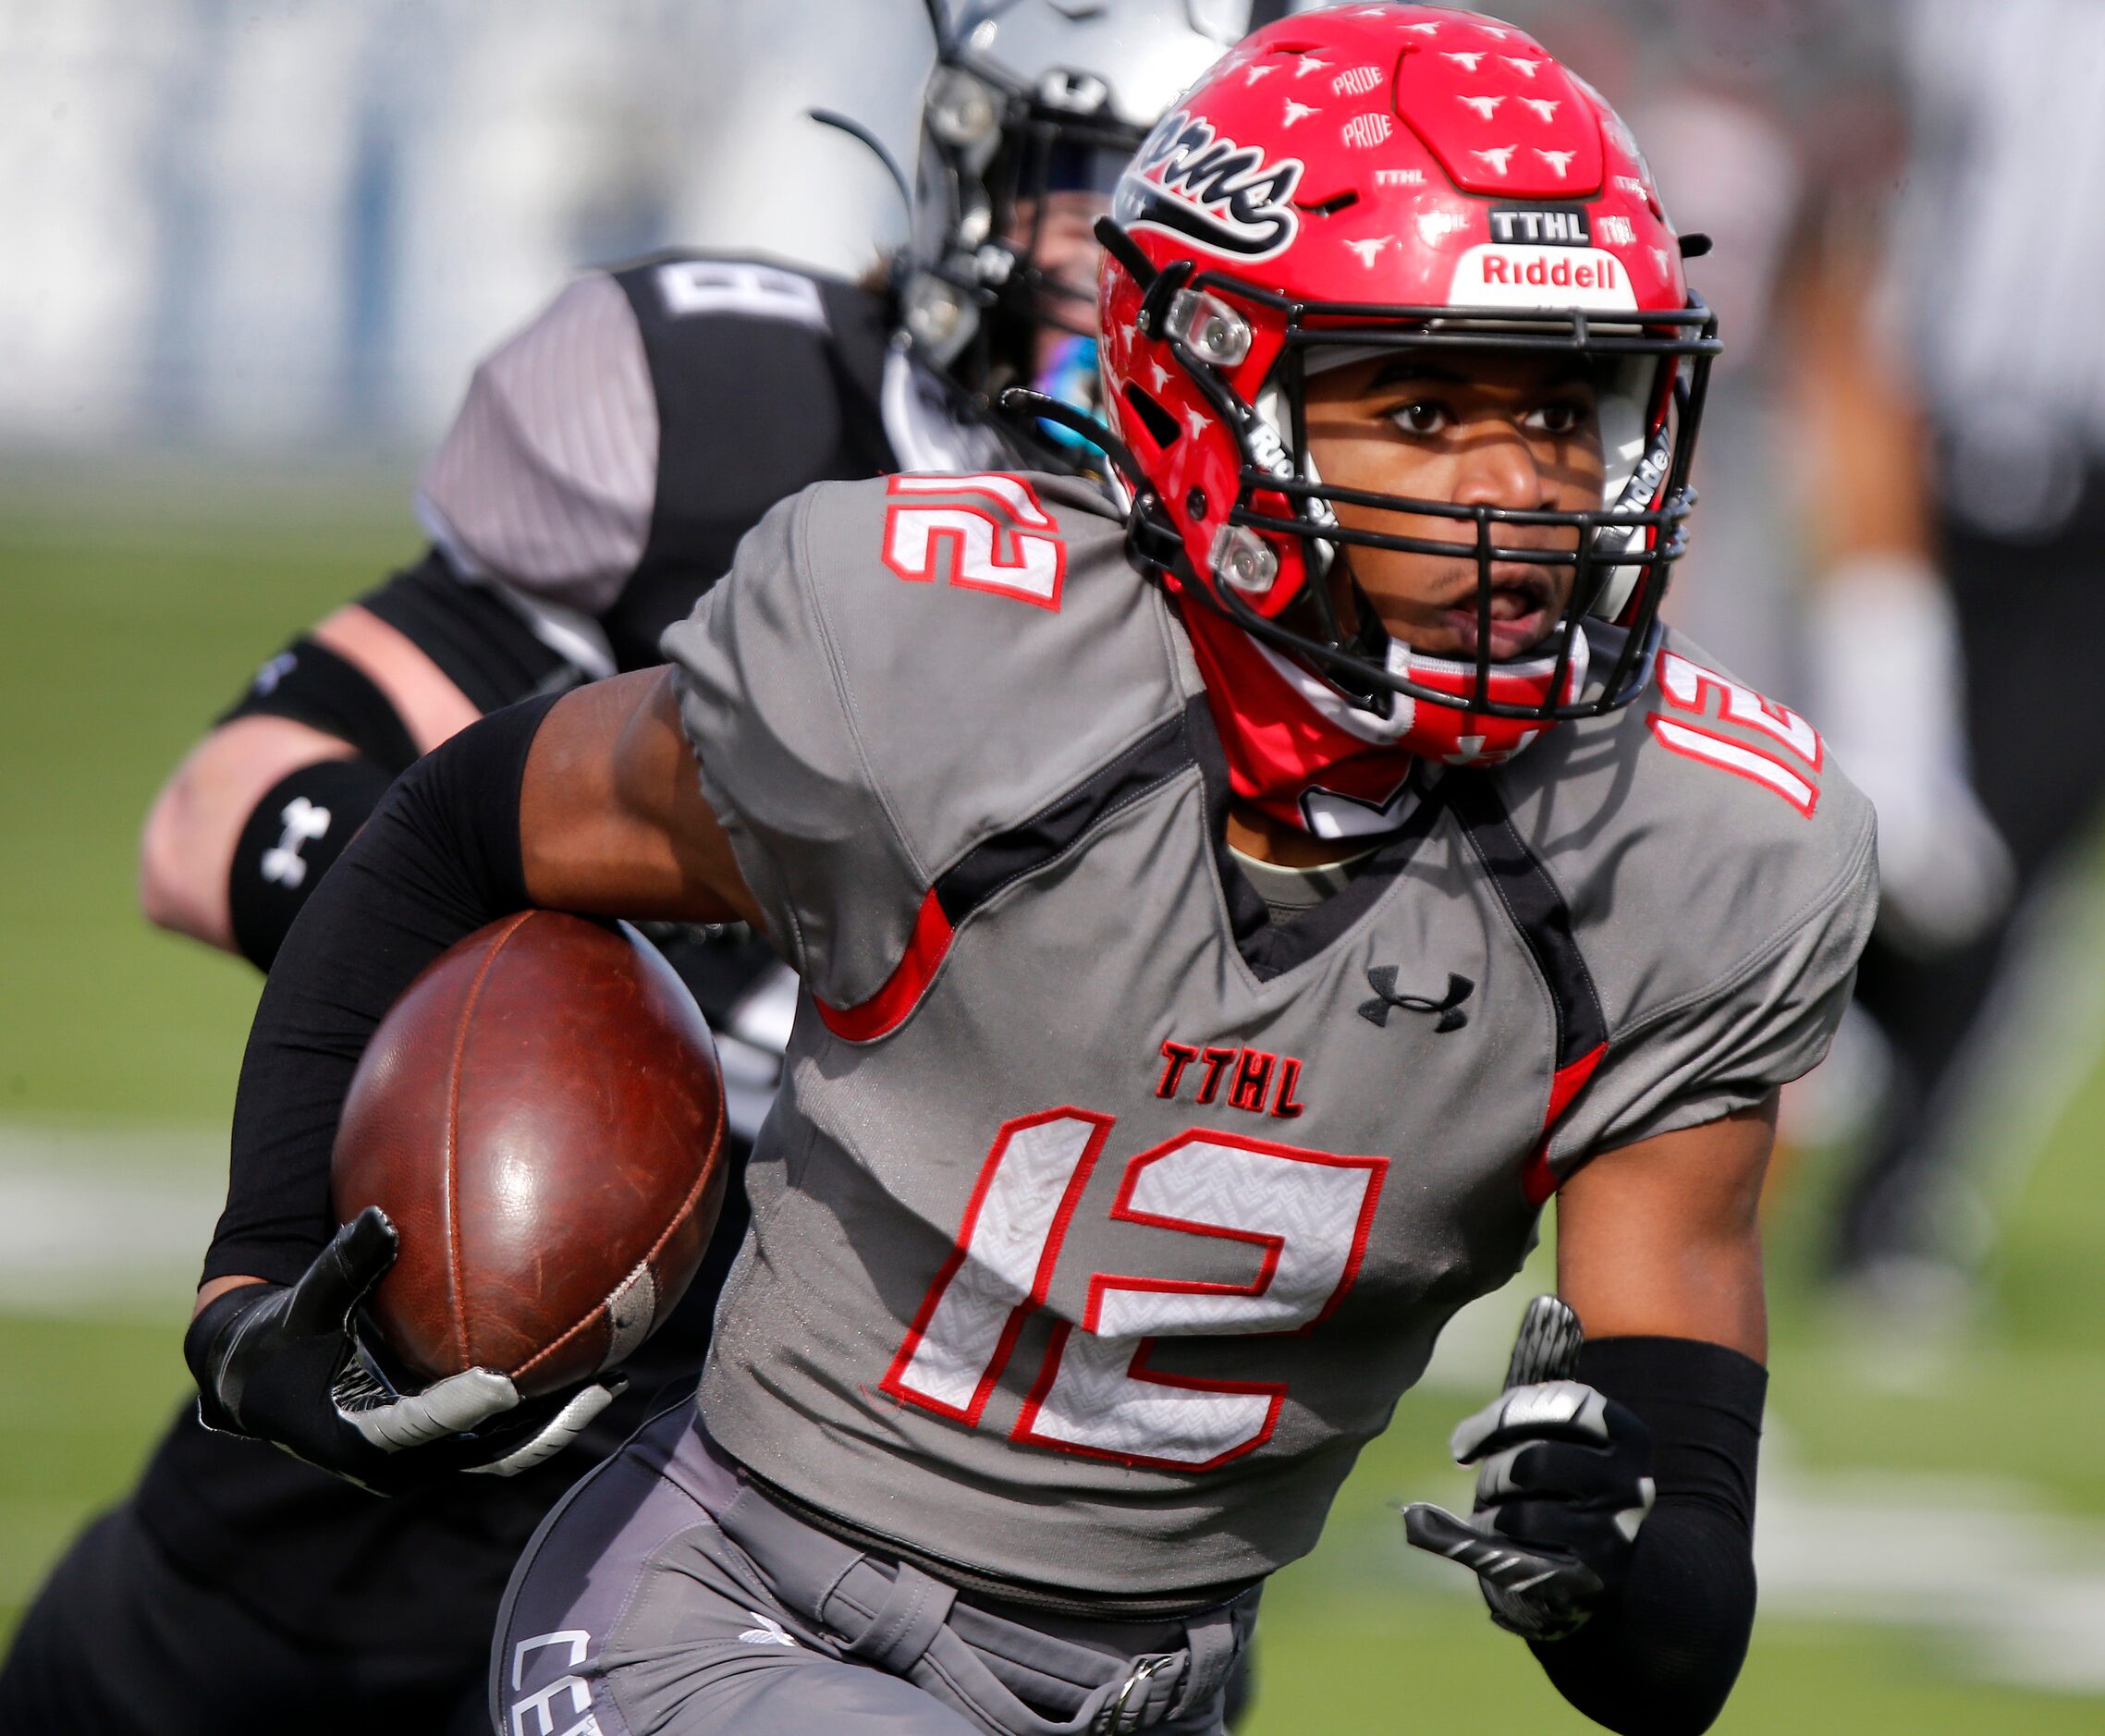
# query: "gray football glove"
1562,1484
282,1362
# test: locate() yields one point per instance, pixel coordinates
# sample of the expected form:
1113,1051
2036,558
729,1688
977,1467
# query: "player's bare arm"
1662,1239
612,820
186,850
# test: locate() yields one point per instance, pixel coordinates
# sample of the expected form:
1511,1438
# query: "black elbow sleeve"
1661,1660
301,825
305,820
310,684
439,857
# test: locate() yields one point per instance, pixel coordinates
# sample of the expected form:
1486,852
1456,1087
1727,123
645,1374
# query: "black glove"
282,1363
1563,1482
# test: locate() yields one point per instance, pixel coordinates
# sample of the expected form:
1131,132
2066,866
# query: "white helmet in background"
1031,100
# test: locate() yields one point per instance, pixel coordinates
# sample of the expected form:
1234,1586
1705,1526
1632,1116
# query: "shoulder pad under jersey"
1719,877
643,421
896,671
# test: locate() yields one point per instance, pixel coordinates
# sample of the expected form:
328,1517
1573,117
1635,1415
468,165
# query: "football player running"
597,478
1222,923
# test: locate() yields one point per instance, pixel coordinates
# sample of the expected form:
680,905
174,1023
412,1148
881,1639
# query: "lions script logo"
1222,195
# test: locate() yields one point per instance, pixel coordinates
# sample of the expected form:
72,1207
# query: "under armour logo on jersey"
272,673
304,824
1447,1011
769,1632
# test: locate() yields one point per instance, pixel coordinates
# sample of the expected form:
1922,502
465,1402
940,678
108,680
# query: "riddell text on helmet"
1542,277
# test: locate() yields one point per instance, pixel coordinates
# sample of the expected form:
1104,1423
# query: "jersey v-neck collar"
1270,948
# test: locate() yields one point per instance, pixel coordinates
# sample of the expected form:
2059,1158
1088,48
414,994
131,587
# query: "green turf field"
1940,1538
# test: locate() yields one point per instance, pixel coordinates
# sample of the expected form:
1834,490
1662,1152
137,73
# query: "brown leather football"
541,1116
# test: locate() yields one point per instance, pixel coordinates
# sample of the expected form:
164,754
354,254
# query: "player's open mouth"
1523,611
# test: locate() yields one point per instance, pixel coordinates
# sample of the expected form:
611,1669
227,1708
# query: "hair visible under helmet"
1373,178
1030,98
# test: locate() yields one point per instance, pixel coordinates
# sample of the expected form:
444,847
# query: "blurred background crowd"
249,253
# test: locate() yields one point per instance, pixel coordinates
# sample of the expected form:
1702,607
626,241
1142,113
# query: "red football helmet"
1374,178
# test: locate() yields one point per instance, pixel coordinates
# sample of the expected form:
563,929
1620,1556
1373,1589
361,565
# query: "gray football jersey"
1102,1219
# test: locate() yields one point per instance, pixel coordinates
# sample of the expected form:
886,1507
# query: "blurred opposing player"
599,475
1221,925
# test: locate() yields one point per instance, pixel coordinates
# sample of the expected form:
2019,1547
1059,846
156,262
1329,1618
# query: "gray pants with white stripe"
667,1596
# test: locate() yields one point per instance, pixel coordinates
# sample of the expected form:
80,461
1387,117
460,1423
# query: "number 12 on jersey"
1303,1216
991,532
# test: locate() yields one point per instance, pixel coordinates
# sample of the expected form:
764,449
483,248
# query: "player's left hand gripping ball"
281,1362
1563,1482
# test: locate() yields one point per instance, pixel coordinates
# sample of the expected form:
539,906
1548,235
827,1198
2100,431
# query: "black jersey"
609,457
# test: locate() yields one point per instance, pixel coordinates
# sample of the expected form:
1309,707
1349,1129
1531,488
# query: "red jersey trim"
1538,1181
886,1010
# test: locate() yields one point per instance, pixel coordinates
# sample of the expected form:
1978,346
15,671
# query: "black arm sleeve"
1662,1659
439,857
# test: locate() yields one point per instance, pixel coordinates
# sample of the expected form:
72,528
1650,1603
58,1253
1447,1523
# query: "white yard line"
2018,1591
102,1223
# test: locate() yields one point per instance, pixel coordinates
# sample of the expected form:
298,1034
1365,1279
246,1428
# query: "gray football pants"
666,1596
